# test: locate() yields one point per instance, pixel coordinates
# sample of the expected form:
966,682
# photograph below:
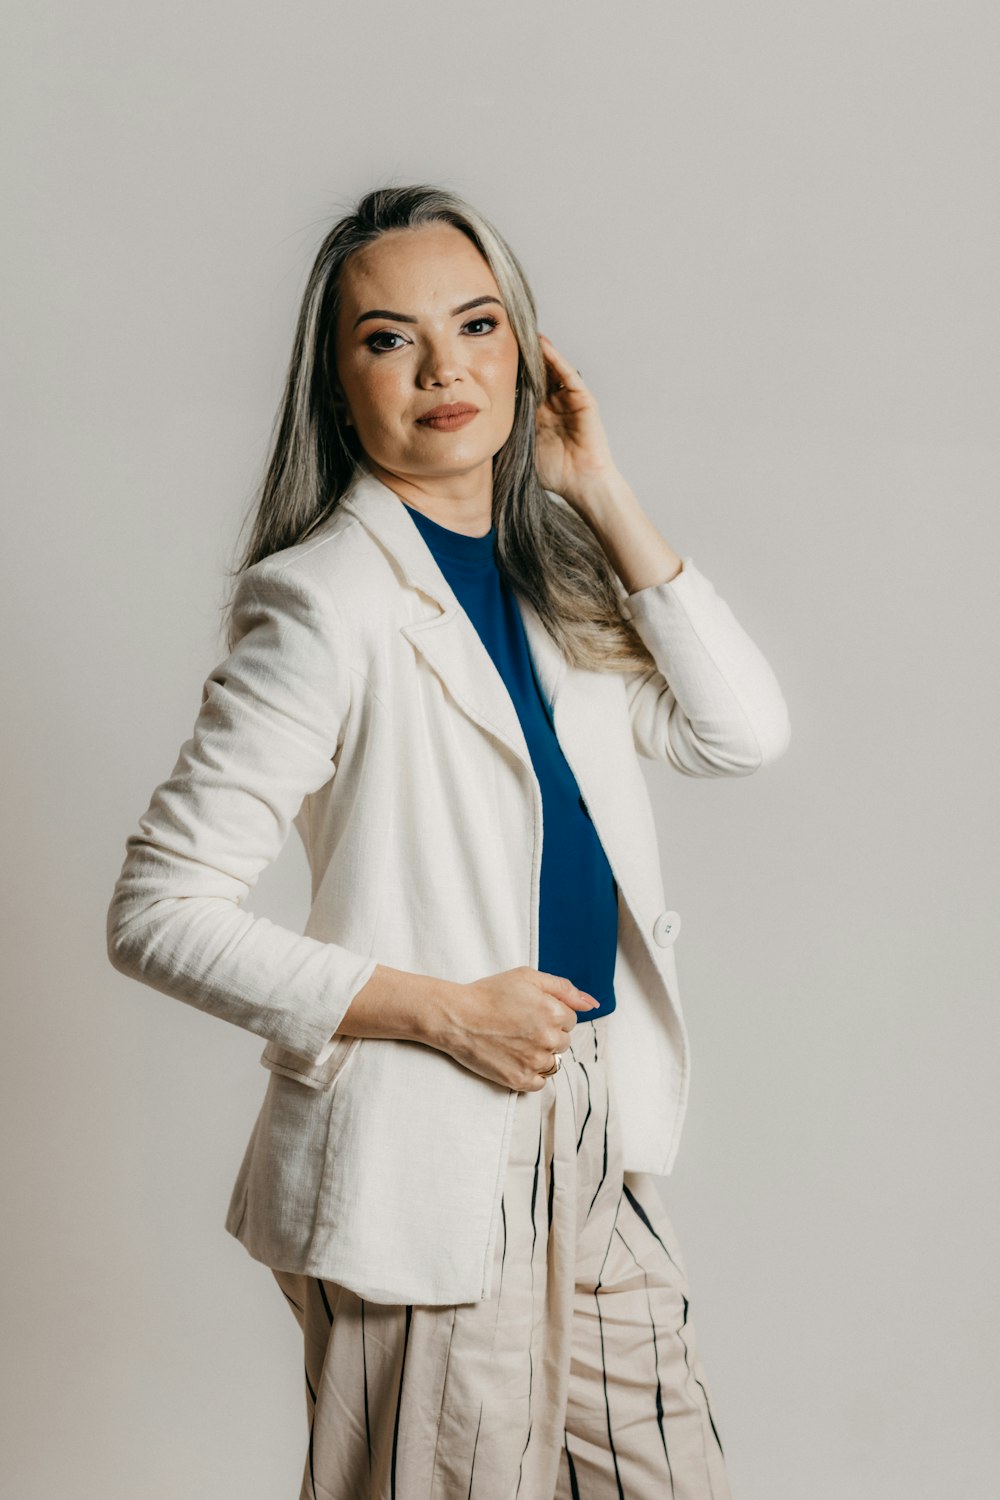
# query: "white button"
666,927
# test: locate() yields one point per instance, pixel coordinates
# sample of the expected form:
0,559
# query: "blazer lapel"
550,664
583,704
446,638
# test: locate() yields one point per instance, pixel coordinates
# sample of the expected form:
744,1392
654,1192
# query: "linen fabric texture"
359,705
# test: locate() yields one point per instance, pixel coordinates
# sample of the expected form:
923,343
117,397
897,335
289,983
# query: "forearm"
714,708
398,1004
637,551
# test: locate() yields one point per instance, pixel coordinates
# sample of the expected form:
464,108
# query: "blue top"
578,899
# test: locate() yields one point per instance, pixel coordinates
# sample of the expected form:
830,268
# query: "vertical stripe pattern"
579,1378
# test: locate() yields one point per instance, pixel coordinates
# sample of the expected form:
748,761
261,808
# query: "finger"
562,366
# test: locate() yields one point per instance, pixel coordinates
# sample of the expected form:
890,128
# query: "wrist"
438,1011
601,495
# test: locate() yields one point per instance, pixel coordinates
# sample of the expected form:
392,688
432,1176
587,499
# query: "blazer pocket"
314,1075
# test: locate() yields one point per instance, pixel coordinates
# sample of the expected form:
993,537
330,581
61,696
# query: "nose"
440,364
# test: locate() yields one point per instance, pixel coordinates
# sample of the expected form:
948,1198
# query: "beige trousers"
577,1379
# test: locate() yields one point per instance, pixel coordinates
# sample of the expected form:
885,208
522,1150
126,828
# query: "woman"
446,632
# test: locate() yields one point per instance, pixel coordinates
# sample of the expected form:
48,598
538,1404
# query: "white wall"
767,234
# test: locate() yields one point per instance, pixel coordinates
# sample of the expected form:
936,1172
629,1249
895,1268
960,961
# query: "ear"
343,410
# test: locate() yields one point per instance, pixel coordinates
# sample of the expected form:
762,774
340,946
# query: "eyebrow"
381,312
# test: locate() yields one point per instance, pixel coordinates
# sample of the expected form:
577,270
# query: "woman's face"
406,342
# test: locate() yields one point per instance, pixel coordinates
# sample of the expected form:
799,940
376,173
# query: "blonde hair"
545,550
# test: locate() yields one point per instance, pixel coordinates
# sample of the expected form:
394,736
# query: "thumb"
565,990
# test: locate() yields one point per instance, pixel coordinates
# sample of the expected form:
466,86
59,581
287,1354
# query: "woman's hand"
507,1026
571,446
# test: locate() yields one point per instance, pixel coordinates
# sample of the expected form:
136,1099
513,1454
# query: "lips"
447,418
452,409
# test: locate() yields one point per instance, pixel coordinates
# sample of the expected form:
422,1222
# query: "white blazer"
360,704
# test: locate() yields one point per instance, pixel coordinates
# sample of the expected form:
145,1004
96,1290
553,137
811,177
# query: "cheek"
498,369
379,393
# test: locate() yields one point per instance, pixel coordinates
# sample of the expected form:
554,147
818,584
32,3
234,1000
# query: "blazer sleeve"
711,706
267,733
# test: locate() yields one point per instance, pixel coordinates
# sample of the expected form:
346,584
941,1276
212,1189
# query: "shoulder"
335,579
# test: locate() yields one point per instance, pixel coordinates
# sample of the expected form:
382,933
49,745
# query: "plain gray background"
768,236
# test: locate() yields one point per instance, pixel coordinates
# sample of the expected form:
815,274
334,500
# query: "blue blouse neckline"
476,551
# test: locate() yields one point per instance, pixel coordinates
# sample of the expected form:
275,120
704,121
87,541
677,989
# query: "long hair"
544,549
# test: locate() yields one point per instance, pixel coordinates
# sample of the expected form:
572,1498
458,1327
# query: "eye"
387,333
493,322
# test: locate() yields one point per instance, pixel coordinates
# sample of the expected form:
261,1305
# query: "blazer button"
666,927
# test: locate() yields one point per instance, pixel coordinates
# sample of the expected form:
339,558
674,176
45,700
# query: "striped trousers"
579,1378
